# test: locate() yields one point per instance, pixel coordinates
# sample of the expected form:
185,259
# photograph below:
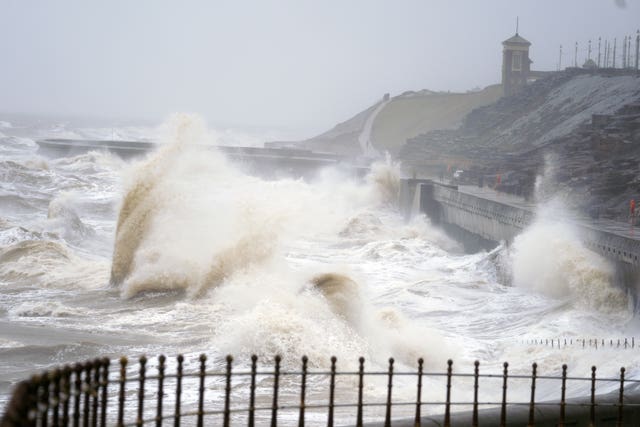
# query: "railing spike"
77,393
276,384
55,379
563,391
121,394
503,407
87,393
476,374
417,421
66,393
332,390
95,391
227,393
161,367
359,416
387,418
592,411
447,409
202,375
303,392
106,362
621,398
141,382
177,412
533,395
252,396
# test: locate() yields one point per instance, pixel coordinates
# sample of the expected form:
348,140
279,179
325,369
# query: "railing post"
476,373
86,410
77,390
55,379
503,408
105,385
532,404
303,391
621,398
121,393
227,392
360,394
203,361
142,378
66,393
22,409
417,421
44,399
387,418
332,390
161,368
592,412
276,383
95,391
252,397
563,392
176,418
447,408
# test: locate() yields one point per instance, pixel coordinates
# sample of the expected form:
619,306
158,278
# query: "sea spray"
141,199
240,244
63,219
550,258
189,218
385,176
49,264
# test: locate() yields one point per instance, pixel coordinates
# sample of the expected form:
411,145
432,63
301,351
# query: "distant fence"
85,394
591,343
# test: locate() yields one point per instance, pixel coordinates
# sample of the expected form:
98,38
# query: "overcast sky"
295,64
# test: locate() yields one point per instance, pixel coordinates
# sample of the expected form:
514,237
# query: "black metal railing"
185,392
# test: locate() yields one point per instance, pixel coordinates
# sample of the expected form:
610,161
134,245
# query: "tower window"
516,62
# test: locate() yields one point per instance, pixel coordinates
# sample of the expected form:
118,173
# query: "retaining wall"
480,222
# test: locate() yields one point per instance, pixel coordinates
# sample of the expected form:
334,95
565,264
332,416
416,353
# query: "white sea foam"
549,257
210,259
192,222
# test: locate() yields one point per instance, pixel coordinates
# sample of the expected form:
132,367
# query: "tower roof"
517,40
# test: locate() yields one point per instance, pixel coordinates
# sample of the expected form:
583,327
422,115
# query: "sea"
183,251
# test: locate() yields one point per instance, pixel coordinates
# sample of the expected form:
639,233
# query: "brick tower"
516,64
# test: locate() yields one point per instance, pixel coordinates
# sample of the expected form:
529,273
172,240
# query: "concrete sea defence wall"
480,222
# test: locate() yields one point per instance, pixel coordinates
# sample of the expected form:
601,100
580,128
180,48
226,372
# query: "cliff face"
580,129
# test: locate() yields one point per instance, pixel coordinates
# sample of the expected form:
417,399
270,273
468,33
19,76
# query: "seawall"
264,162
481,218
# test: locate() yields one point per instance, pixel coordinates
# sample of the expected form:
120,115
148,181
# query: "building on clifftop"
516,64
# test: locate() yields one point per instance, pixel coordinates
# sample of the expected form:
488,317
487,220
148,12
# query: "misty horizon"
297,66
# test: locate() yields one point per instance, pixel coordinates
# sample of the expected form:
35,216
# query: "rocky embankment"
576,133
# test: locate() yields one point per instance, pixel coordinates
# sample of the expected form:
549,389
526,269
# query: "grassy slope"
408,116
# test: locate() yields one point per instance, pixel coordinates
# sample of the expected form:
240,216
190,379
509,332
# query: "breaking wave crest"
48,263
385,176
549,258
181,225
189,219
240,245
64,219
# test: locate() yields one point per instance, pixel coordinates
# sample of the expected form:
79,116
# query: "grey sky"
296,64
